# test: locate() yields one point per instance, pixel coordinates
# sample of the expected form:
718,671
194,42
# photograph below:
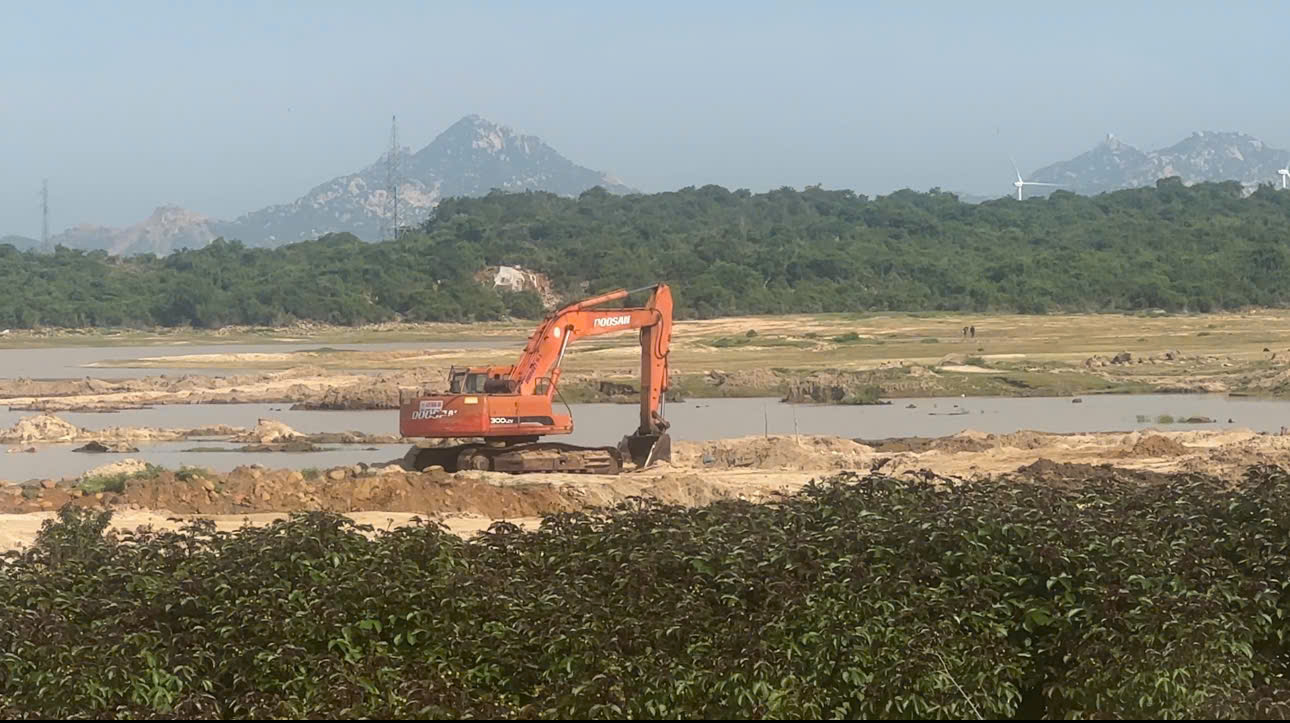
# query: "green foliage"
847,338
1165,419
976,361
929,340
1198,248
726,342
872,597
310,473
189,474
116,482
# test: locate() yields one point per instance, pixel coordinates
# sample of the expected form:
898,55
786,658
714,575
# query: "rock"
268,431
1197,420
41,428
21,450
48,484
126,466
1077,400
1123,357
336,475
99,447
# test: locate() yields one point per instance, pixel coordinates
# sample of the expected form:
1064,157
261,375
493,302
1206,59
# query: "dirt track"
754,469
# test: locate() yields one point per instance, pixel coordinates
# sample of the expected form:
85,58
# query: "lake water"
697,420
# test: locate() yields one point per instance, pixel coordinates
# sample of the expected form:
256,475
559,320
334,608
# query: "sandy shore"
756,469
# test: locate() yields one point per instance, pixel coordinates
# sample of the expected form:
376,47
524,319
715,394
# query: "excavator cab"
486,380
510,408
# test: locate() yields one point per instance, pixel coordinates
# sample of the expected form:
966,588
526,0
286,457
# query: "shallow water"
698,420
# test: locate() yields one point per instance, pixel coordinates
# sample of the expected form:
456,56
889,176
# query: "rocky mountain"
1202,156
168,228
470,158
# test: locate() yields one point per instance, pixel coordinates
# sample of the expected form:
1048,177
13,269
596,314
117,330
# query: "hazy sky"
226,107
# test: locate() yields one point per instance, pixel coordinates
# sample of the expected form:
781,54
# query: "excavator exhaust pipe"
647,449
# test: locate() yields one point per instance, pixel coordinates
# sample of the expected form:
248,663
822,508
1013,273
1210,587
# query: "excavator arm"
538,369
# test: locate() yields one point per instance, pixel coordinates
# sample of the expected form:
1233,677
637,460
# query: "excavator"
509,408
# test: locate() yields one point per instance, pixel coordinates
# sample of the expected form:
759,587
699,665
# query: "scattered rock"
1123,357
336,475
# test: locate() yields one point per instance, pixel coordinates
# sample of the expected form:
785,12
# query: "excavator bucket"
646,449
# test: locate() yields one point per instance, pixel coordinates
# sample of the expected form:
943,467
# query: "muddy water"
73,362
698,420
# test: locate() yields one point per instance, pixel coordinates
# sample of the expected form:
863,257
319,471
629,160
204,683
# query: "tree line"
1199,248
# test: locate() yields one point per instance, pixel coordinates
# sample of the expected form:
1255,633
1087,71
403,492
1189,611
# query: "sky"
224,108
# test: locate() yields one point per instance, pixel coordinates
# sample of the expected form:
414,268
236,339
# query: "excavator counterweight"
509,409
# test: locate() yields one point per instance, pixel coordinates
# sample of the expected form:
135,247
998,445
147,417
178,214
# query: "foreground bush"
859,597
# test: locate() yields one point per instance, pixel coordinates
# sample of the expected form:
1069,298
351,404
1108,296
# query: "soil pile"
833,388
775,452
1156,446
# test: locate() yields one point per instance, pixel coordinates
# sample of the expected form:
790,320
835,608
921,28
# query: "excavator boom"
511,408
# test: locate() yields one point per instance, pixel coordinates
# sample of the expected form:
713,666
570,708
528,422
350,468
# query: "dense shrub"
1198,248
872,597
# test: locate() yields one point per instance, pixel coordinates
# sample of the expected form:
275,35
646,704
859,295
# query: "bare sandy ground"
754,469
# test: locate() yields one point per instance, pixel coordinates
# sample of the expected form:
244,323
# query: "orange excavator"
510,408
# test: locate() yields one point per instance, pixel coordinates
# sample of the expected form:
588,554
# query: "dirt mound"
1025,439
833,388
379,392
1156,446
41,428
1046,471
776,452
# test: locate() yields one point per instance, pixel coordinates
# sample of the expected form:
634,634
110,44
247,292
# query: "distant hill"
22,243
469,159
167,229
1203,156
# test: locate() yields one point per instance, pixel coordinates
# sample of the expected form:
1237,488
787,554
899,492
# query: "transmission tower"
44,215
392,180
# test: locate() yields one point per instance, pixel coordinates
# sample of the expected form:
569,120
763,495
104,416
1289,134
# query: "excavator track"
520,458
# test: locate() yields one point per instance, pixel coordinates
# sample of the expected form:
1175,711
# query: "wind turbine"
1020,184
1285,174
